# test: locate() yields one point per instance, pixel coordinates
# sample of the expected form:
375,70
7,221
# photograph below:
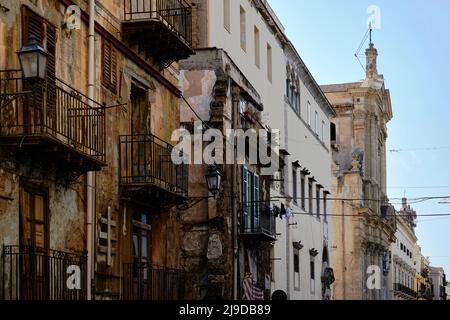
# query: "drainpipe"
235,105
90,175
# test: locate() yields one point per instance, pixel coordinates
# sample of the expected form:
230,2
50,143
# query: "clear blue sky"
413,46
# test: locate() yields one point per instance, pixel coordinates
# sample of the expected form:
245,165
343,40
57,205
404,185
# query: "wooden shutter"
109,66
50,43
32,24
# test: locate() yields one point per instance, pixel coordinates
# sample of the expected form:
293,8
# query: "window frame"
243,28
297,274
257,45
227,15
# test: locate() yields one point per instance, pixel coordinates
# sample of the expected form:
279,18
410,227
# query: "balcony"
258,226
404,291
147,171
52,117
425,292
161,29
142,281
30,273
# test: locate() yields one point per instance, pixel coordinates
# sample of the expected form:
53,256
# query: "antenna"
358,53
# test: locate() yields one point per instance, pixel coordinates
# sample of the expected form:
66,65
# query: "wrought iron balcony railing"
51,112
258,224
146,163
400,288
161,28
31,273
142,281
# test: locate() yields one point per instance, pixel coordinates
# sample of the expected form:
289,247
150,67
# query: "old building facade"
227,239
108,105
362,236
404,254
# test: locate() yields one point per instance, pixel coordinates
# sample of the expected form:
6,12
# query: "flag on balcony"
251,291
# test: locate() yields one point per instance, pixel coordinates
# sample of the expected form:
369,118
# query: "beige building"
362,234
84,176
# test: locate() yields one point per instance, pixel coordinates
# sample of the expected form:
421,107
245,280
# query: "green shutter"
256,200
245,204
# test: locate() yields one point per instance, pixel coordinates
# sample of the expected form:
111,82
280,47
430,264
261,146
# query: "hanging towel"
289,213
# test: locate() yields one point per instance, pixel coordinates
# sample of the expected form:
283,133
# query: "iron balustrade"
143,281
256,222
147,160
405,290
30,108
31,273
175,14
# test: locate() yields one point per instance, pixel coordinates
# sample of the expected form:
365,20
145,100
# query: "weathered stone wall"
67,201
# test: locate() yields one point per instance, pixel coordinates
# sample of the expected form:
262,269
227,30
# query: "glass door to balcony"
141,269
140,129
34,238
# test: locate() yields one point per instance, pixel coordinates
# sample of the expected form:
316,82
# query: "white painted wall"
272,93
296,137
402,264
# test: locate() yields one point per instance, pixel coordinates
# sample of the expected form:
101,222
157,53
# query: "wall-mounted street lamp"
33,59
214,178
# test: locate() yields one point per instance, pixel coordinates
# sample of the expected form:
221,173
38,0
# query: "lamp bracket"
192,202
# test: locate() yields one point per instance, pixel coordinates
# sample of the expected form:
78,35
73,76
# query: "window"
294,184
288,89
257,48
34,217
310,194
297,102
269,62
141,238
243,30
332,132
302,190
318,202
296,269
45,33
322,134
109,66
325,206
250,200
243,105
226,15
308,114
316,123
313,275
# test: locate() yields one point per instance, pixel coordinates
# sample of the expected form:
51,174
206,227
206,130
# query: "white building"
438,278
301,254
405,252
253,37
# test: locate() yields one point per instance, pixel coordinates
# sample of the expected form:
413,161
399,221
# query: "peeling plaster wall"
67,203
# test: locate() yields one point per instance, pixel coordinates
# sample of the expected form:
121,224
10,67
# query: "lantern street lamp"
33,59
214,179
